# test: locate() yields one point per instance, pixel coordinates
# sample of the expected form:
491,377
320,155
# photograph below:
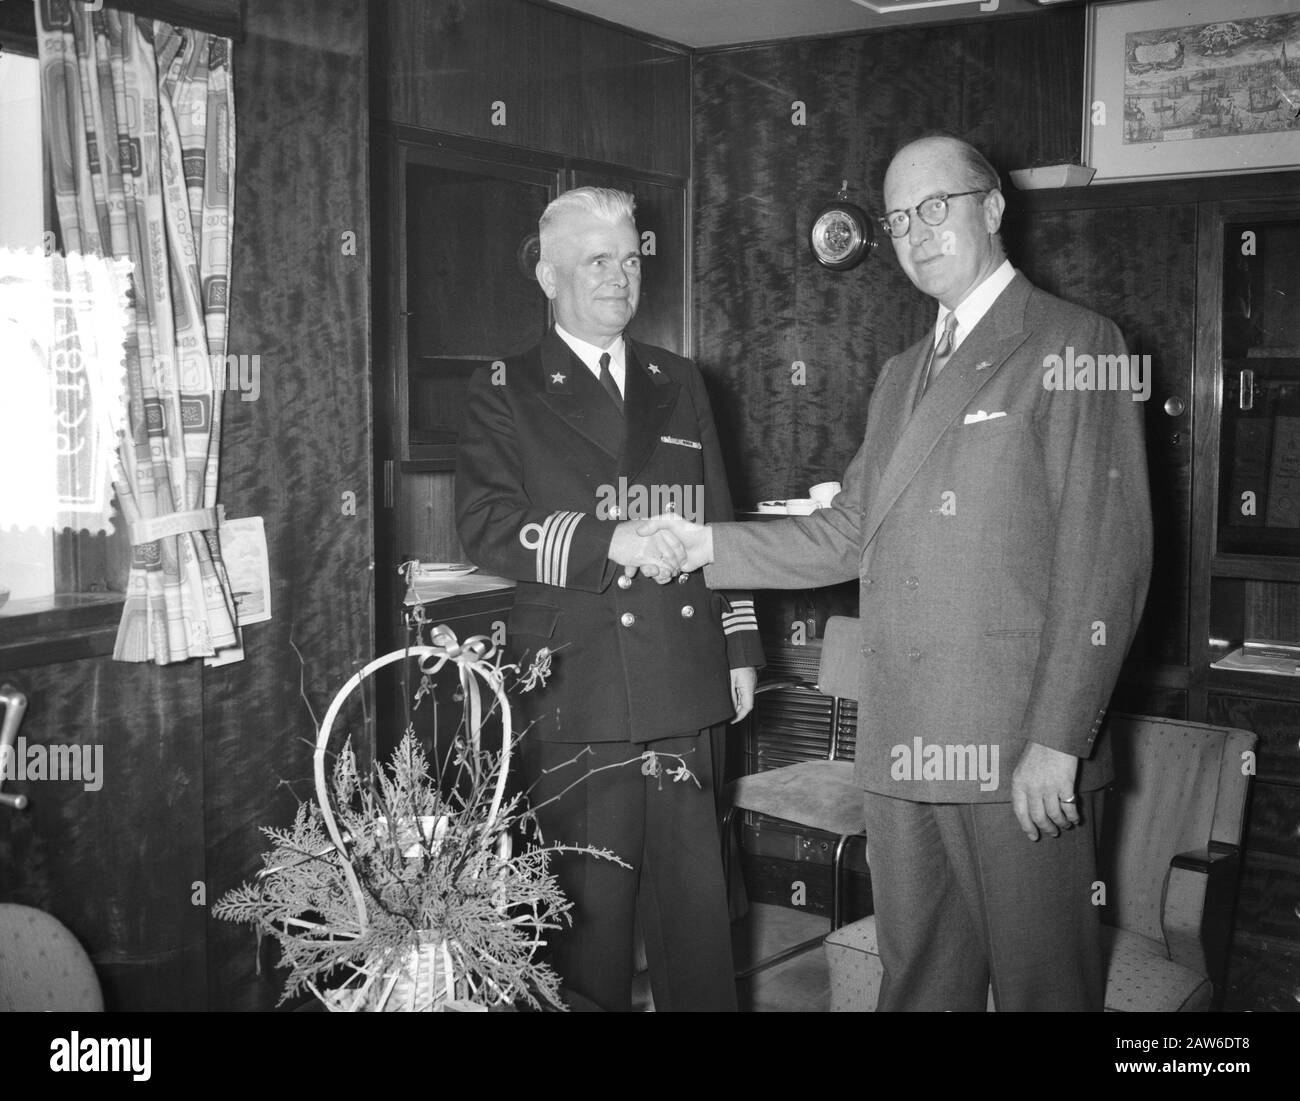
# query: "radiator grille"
793,724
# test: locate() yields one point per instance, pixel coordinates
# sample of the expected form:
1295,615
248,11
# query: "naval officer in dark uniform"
562,454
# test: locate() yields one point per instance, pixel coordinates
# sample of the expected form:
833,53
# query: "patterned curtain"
140,140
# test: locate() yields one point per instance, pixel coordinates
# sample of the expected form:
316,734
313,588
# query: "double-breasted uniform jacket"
1001,535
546,469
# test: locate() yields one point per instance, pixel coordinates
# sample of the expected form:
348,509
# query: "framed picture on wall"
1172,88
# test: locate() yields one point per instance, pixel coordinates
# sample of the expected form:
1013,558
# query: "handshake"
661,547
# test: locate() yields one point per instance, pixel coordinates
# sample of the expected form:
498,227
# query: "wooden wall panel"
117,865
294,455
762,304
569,85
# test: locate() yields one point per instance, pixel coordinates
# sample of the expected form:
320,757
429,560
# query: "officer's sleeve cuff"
740,617
554,545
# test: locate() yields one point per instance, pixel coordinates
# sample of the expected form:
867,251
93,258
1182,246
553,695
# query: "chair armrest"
1198,905
786,682
1204,860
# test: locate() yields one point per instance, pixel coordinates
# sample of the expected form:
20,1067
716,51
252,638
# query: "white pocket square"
975,418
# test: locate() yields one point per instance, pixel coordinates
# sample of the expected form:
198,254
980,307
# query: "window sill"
51,629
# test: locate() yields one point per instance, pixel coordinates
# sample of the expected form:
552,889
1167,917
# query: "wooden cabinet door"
1264,973
1137,266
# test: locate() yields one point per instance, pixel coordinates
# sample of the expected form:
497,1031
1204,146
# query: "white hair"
601,202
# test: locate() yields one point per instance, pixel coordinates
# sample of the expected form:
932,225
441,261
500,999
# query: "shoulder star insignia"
558,377
653,368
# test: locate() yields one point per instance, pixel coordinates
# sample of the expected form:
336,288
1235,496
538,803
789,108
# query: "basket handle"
474,658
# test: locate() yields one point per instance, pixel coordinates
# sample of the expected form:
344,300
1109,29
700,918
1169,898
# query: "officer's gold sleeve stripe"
740,611
564,541
739,616
553,548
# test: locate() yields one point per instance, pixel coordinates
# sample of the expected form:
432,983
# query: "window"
63,321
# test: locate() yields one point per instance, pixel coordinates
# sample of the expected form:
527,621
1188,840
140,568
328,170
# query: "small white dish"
444,569
795,506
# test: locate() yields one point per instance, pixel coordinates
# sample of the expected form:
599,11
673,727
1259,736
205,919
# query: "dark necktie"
607,381
939,353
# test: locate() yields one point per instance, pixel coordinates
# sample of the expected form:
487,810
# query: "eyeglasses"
933,212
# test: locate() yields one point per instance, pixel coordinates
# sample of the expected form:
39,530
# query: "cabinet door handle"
15,705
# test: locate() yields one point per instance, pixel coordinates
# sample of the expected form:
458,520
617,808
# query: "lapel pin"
982,364
653,368
558,377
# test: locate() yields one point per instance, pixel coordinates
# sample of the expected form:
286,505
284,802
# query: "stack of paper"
1259,655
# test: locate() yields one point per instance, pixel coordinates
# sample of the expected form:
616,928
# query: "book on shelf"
1248,473
1284,480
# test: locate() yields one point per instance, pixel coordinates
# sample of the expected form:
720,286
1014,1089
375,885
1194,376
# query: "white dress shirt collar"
590,355
976,304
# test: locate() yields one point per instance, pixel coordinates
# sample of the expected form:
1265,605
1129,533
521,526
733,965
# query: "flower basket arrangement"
409,891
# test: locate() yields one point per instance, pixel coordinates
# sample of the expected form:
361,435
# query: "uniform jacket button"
627,619
682,578
624,582
614,512
688,610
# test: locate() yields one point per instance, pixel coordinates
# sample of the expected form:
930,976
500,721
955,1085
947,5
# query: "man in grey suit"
998,519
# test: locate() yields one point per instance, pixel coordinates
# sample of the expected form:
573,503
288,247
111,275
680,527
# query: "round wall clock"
527,255
841,235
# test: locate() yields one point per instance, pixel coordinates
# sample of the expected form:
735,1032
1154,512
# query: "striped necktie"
607,381
939,353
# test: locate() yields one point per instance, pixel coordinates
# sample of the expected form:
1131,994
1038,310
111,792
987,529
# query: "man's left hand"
1042,791
743,682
